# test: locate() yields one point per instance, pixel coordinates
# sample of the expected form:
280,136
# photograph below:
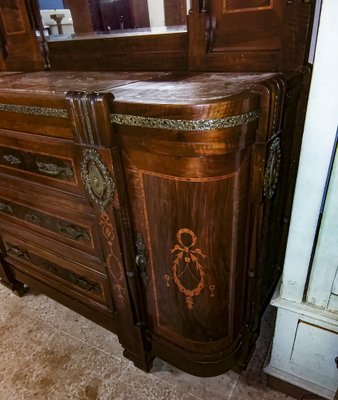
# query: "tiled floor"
48,352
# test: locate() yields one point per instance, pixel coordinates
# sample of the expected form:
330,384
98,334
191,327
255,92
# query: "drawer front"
74,280
46,161
71,228
44,243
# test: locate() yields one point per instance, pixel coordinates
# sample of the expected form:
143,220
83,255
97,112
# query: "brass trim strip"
33,110
185,125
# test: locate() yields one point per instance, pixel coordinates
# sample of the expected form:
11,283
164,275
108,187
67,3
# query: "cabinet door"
247,24
189,192
258,35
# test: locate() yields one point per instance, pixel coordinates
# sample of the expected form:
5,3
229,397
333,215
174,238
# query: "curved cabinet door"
189,193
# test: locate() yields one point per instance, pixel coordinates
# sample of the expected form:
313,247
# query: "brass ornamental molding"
185,125
272,170
34,110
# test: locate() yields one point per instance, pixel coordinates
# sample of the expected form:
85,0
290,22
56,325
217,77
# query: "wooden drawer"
46,161
71,278
74,229
42,241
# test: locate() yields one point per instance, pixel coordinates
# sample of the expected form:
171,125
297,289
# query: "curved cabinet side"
190,194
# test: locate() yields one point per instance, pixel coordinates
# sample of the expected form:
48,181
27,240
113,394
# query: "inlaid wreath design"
187,260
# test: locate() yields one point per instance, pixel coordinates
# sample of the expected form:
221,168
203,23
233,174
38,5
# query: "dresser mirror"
115,17
128,35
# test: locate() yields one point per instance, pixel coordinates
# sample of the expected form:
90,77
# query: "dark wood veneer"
221,35
157,203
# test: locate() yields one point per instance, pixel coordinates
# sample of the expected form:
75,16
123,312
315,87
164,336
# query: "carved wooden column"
198,29
103,180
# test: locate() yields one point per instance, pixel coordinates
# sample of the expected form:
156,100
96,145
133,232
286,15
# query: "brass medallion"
97,179
272,170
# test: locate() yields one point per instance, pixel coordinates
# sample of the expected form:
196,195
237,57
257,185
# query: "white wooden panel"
315,349
303,353
335,284
325,262
320,128
156,13
333,303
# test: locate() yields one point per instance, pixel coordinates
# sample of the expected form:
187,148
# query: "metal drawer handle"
83,284
6,208
141,260
74,232
53,169
33,217
17,252
12,159
49,267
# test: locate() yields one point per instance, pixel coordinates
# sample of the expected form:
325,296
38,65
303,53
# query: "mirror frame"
191,50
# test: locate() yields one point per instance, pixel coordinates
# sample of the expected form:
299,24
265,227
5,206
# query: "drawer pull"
74,232
33,217
6,208
12,159
72,278
83,284
53,169
15,251
49,267
141,260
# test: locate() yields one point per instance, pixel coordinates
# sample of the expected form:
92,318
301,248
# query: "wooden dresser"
156,204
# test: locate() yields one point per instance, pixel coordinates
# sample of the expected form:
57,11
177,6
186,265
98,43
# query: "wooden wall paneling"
296,35
166,52
86,17
175,12
116,15
140,13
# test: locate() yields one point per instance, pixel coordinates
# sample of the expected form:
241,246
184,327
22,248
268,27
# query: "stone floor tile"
44,358
216,388
54,314
66,369
243,391
138,385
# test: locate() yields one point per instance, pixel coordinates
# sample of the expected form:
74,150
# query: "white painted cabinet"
305,343
323,284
